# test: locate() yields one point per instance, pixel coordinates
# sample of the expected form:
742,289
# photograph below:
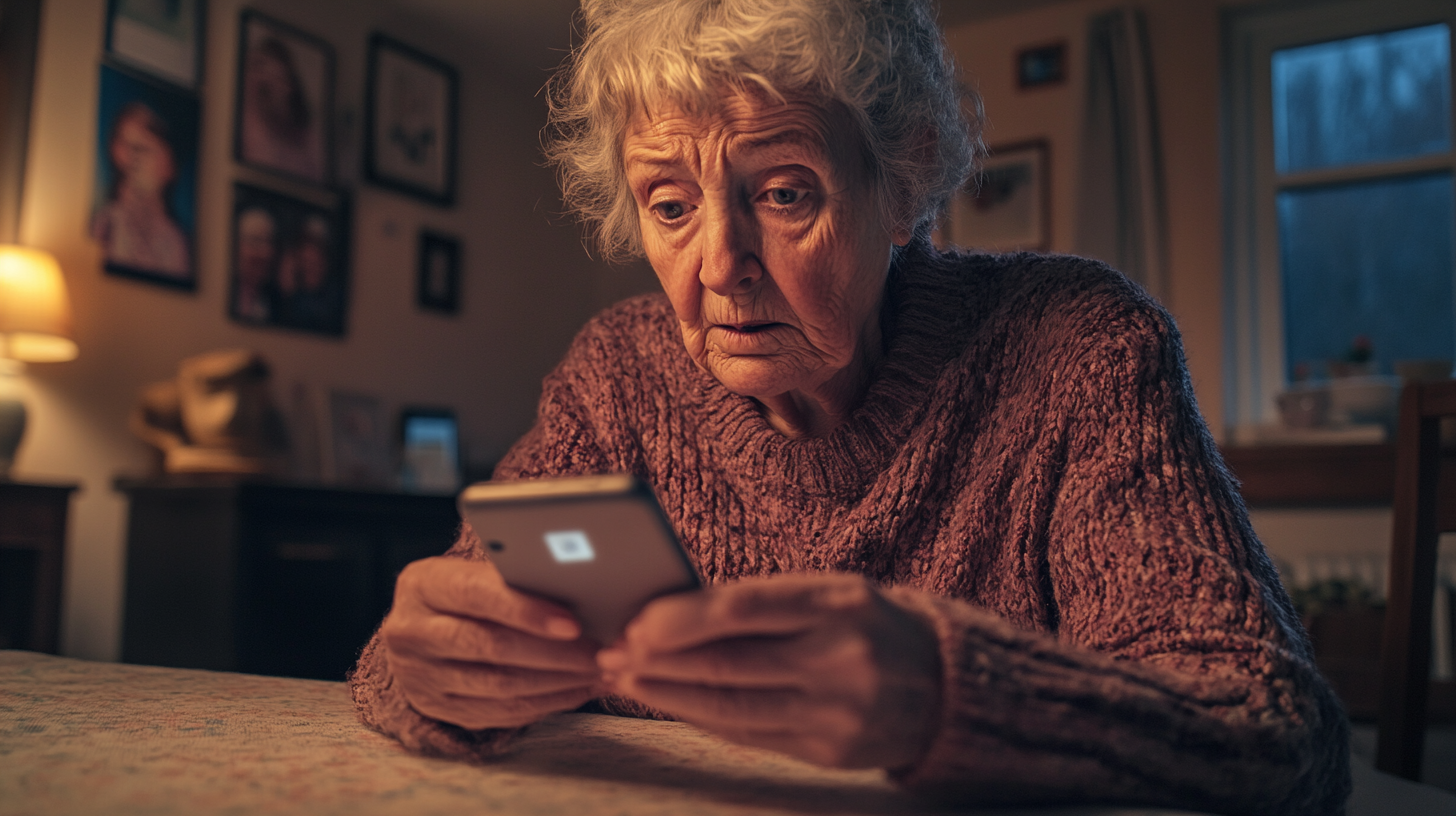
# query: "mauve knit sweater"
1029,473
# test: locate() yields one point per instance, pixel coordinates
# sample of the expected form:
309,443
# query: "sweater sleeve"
562,442
1177,673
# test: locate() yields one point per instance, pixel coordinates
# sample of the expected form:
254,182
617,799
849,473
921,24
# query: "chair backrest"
1405,658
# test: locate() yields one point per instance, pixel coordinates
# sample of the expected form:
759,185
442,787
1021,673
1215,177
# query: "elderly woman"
958,513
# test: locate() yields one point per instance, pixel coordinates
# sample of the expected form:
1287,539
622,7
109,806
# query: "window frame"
1254,354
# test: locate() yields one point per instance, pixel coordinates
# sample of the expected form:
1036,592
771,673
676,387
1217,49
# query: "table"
83,738
32,558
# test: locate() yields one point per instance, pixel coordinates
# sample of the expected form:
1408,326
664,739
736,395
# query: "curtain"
1121,216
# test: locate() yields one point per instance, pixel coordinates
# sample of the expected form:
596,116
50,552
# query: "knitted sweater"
1029,473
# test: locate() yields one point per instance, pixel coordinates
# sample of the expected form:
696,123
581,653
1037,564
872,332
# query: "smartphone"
598,545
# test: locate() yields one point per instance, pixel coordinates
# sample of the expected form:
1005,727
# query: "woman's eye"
784,196
670,210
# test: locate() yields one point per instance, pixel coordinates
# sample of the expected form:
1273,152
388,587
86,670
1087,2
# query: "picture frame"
144,205
1041,65
437,286
160,37
283,121
289,261
358,441
411,121
1007,205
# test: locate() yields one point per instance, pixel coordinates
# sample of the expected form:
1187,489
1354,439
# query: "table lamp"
35,326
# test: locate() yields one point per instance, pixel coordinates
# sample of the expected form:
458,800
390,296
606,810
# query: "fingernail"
562,628
612,659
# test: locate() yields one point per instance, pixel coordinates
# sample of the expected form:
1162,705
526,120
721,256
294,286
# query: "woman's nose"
731,263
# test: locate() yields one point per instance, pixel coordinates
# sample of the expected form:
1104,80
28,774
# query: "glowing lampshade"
35,313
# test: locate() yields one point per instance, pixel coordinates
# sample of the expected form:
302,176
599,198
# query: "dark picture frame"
437,286
1041,65
146,149
1006,206
411,121
283,121
163,38
289,264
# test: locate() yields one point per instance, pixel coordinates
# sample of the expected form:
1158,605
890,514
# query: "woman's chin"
757,377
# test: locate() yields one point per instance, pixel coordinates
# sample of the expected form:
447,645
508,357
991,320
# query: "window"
1340,196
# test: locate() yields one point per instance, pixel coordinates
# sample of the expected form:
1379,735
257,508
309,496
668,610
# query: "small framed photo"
429,450
1006,206
410,121
289,262
438,288
359,440
161,37
1041,65
144,205
285,99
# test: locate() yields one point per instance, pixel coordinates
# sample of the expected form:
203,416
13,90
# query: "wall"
528,284
1185,44
1184,37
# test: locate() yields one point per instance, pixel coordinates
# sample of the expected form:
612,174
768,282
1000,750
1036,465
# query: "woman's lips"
753,337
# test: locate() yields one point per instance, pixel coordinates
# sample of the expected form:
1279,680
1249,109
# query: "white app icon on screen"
570,546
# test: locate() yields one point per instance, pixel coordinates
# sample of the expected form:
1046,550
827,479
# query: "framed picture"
289,262
285,99
359,441
161,37
1006,206
410,121
144,205
438,286
429,440
1041,65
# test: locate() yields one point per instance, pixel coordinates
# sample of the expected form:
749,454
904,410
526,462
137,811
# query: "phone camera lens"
495,546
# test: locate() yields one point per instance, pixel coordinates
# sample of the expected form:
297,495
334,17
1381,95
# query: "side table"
32,556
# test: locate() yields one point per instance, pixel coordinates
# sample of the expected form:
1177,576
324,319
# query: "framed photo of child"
285,99
145,197
289,268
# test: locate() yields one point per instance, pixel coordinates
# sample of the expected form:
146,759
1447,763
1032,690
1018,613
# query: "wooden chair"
1405,659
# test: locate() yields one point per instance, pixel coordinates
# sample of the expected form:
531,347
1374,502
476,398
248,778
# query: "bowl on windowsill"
1369,400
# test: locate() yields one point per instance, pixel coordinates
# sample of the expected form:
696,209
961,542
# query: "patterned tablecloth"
78,737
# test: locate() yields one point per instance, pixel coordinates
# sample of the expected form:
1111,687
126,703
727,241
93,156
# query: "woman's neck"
819,409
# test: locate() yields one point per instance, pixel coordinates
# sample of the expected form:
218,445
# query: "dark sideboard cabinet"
32,556
267,578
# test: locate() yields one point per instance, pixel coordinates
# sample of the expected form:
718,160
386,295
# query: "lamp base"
12,430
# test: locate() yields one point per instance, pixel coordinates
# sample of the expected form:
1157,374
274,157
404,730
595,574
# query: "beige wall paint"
1184,37
528,284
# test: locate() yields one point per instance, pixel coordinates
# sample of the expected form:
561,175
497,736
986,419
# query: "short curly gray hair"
884,61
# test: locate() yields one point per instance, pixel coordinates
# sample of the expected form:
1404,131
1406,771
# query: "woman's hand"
820,667
469,650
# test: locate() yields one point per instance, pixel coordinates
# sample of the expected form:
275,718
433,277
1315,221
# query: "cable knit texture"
1029,473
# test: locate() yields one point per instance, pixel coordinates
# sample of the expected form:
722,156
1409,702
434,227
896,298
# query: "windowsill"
1314,475
1329,475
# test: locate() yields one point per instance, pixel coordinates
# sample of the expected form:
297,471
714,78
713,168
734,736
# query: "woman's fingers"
475,589
491,681
476,713
447,637
779,605
739,709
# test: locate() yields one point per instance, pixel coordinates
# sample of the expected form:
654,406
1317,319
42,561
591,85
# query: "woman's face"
762,226
143,159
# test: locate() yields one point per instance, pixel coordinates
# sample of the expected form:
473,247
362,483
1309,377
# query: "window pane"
1373,259
1395,87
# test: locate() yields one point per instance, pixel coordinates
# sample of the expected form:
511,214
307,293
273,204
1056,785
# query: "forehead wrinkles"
671,135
